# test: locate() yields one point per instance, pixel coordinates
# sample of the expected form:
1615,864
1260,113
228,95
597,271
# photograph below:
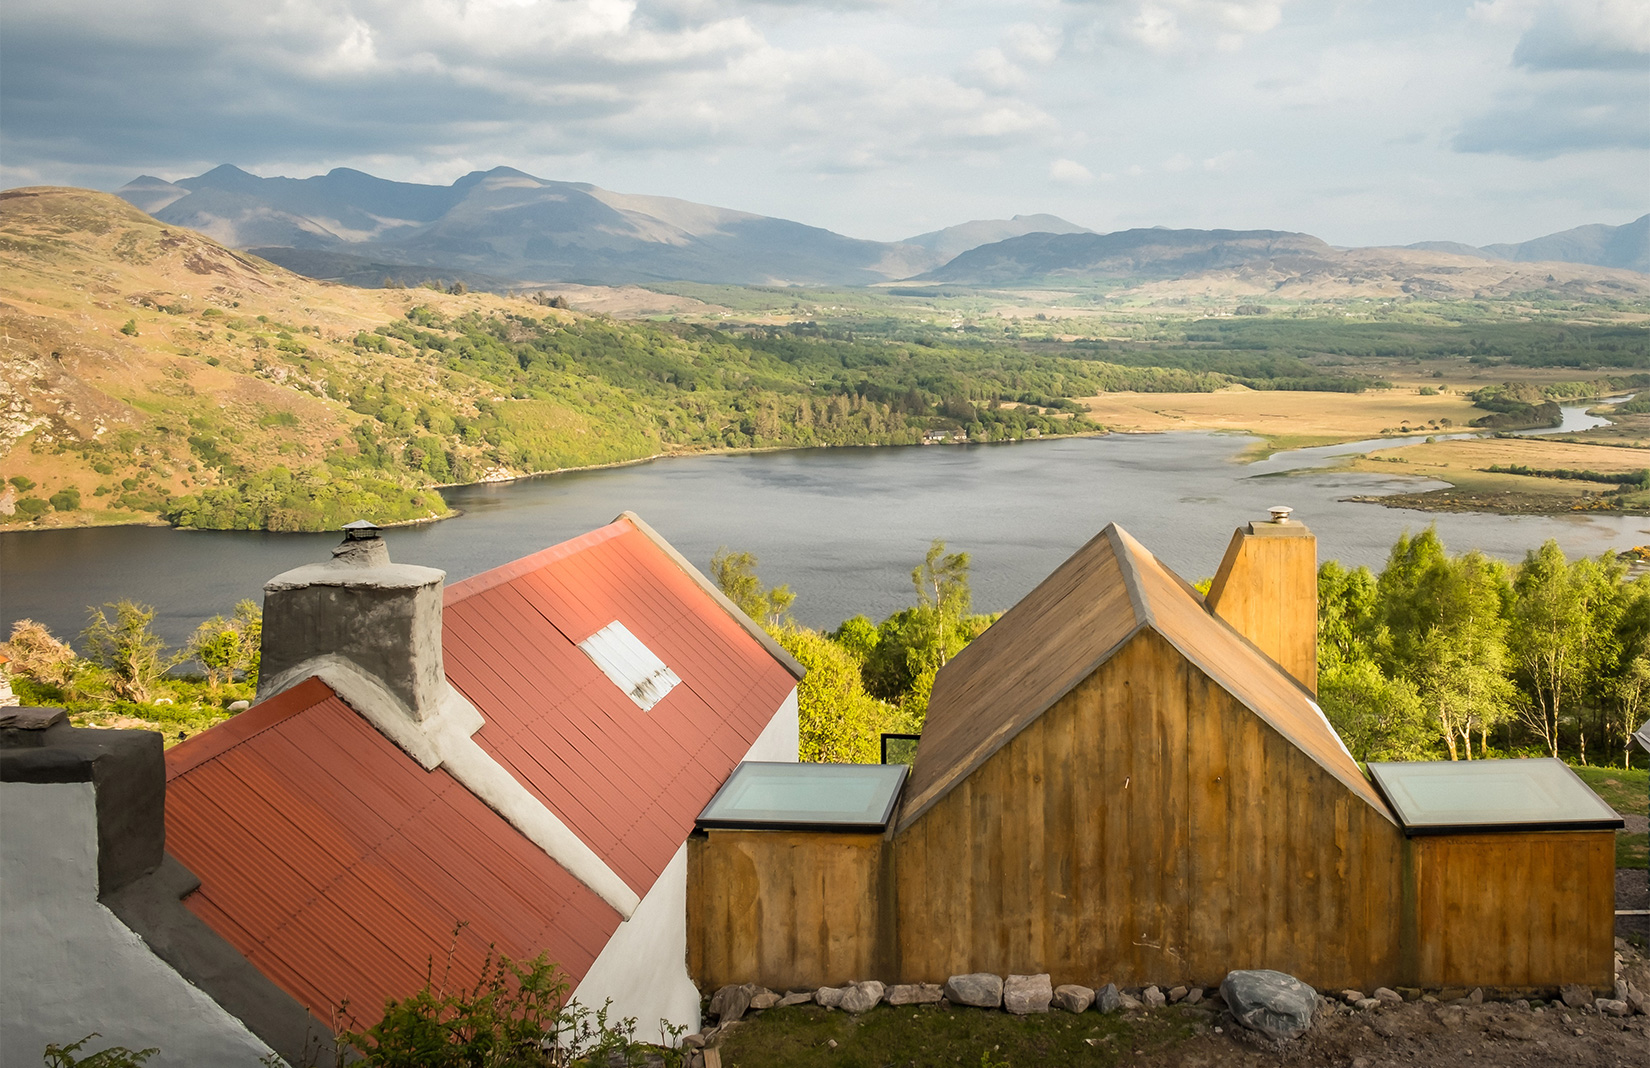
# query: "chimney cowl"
1280,513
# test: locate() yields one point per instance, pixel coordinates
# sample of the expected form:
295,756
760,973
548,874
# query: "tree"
840,722
127,647
1563,632
943,600
1378,718
1348,615
36,655
735,575
229,647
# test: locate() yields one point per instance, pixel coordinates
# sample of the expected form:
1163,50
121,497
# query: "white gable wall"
70,967
643,967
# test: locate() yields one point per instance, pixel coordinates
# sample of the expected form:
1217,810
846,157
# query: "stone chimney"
383,619
1267,588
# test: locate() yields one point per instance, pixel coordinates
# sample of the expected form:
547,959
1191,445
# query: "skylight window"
643,677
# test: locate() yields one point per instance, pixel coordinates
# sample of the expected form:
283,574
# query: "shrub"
128,648
66,500
32,507
36,655
129,328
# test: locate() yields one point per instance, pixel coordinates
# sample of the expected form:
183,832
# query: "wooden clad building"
1123,781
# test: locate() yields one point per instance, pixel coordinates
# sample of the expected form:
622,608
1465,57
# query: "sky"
1359,121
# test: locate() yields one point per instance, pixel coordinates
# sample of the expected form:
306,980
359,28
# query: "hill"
952,241
152,374
1626,246
506,225
1161,264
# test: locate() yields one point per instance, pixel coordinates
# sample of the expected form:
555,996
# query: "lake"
843,527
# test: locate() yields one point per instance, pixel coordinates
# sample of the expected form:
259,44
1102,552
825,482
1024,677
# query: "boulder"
1194,996
1130,1002
730,1002
1575,996
1271,1003
1388,995
239,706
1024,994
861,997
1637,1000
1107,999
1352,997
1612,1007
914,994
982,990
1154,998
1178,994
764,999
1073,998
830,996
795,997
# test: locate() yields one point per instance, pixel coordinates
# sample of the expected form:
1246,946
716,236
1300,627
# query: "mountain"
506,225
1626,246
952,241
1143,254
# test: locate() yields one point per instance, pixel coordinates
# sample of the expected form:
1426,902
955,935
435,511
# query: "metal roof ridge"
509,572
749,625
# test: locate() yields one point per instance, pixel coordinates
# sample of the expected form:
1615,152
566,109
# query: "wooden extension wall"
1515,910
786,910
1148,828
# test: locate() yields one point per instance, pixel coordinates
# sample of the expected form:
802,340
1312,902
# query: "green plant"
66,500
128,648
129,328
22,482
32,507
114,1057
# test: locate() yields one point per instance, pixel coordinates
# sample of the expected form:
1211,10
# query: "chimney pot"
1280,513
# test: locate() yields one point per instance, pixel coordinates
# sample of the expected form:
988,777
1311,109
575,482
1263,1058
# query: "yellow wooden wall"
784,909
1149,829
1515,910
1267,589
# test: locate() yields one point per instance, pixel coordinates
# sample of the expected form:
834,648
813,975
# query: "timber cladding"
1148,828
786,909
1532,909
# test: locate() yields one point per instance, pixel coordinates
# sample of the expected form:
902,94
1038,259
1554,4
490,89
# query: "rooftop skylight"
1441,796
632,666
835,797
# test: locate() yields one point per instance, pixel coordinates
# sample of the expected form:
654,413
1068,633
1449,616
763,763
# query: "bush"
36,655
129,328
66,500
32,507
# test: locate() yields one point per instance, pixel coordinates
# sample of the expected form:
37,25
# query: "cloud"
1070,172
1168,26
1549,121
1587,35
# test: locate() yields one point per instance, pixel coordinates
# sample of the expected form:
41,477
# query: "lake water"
844,527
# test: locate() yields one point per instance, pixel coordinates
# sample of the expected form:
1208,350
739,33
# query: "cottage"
518,758
1125,781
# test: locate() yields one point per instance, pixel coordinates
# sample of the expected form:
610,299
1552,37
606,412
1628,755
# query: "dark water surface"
843,527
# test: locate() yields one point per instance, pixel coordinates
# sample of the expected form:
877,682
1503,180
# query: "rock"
862,997
1194,996
1271,1003
1518,1028
914,994
1637,1000
830,996
1154,998
1107,999
1452,993
1409,993
982,990
1611,1007
730,1002
1177,995
239,706
1073,998
693,1042
1476,997
796,997
1352,997
1024,994
1365,1004
1388,995
1130,1003
1575,996
764,999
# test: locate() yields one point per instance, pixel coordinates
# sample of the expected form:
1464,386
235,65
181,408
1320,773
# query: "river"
843,527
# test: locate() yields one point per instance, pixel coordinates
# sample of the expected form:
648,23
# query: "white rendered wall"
69,967
643,967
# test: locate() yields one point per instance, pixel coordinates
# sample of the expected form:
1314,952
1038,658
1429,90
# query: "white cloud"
1070,172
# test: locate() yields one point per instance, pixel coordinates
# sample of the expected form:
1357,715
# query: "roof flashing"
630,665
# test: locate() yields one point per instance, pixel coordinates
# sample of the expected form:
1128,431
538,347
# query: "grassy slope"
206,360
1625,790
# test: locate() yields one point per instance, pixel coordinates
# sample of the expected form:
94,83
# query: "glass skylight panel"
838,797
643,677
1437,796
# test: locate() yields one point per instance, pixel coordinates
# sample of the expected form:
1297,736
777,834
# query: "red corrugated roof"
630,783
339,867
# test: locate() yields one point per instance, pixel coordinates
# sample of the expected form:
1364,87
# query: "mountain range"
504,228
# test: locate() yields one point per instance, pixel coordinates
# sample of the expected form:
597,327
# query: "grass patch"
1623,789
887,1037
1632,850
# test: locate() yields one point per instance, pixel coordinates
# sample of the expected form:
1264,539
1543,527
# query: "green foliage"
57,1056
32,507
228,648
128,649
840,723
1639,479
22,482
735,575
66,500
129,328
